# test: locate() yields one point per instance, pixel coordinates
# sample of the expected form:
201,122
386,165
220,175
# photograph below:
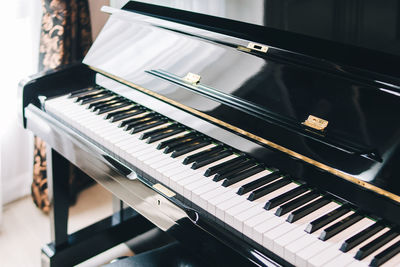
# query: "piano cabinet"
246,149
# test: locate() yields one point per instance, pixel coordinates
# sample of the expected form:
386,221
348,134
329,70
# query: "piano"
250,144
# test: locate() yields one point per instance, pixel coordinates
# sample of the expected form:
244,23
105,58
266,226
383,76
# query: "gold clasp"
316,123
192,78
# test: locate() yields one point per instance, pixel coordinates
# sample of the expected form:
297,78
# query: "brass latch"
316,123
164,190
192,78
258,47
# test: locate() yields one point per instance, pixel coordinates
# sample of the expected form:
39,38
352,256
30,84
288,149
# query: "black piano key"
375,244
126,114
213,170
142,121
361,236
166,134
386,255
182,143
340,226
158,131
232,170
88,94
259,182
133,120
278,200
147,125
295,203
186,149
107,103
102,103
327,218
243,175
205,153
268,189
200,163
95,98
176,140
83,91
307,209
112,107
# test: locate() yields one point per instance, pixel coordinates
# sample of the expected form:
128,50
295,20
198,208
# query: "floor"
25,228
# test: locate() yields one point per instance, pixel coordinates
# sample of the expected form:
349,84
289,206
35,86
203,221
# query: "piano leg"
68,250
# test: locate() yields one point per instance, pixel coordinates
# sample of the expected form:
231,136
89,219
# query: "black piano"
224,124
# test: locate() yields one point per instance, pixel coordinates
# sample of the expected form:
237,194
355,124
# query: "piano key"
165,134
327,218
115,106
340,226
135,118
234,216
147,125
200,163
344,259
361,236
186,136
295,203
205,153
327,250
125,114
375,244
259,182
83,91
98,104
148,134
234,169
242,175
272,203
386,255
367,260
245,220
141,121
307,209
89,95
294,231
95,98
251,221
213,170
268,188
291,250
183,143
184,149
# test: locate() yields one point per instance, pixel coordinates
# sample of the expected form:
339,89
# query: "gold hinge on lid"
192,78
258,47
316,123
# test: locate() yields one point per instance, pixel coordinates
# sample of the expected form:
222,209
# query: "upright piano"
247,139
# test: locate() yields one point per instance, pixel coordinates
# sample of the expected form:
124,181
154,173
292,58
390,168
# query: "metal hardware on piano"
209,131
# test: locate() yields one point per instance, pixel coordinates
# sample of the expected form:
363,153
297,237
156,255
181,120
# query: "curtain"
19,27
65,38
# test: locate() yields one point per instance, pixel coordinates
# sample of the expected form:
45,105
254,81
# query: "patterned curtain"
65,38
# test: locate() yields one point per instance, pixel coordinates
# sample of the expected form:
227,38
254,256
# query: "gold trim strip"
257,138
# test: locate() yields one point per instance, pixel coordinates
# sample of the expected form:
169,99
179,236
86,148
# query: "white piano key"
333,244
347,258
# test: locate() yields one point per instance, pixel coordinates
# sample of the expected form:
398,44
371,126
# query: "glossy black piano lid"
365,34
279,93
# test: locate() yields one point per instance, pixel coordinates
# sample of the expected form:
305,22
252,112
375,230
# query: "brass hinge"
192,78
258,47
316,123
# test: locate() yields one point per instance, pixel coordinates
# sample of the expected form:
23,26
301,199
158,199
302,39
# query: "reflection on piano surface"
279,155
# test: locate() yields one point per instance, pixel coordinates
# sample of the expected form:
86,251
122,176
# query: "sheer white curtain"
19,46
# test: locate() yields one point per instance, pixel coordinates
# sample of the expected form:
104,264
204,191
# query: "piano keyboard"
300,224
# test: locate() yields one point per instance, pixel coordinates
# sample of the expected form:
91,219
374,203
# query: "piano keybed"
300,224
